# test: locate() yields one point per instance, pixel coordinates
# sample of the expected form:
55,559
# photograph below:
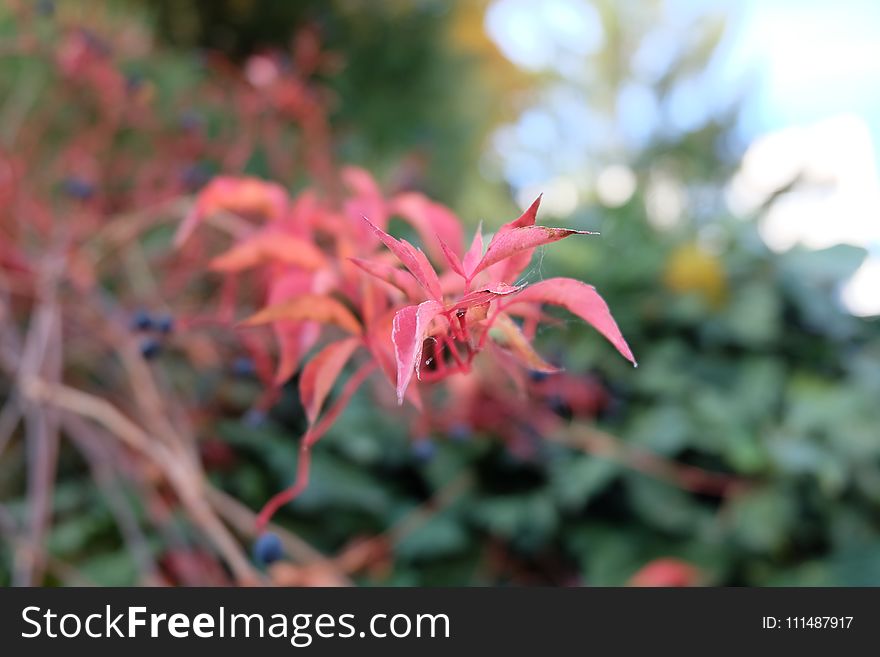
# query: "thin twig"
9,418
94,450
419,516
688,477
40,354
175,465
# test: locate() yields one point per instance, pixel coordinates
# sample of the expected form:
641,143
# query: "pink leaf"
511,337
527,218
400,279
408,331
431,220
412,259
580,299
317,307
367,199
452,259
378,341
473,255
269,246
321,372
511,269
484,296
361,182
294,337
522,240
245,196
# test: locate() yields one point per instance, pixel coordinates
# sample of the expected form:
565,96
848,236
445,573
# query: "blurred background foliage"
417,87
749,366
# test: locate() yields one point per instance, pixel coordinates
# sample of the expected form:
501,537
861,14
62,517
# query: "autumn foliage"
131,237
335,284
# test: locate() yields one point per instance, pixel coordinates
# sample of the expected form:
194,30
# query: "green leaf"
576,479
440,537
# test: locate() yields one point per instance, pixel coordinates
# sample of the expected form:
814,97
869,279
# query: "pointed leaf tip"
413,259
452,259
521,241
582,300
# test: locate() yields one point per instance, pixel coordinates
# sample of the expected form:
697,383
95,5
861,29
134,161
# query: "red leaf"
378,341
319,308
243,195
431,220
321,372
580,299
511,269
518,345
361,182
484,296
400,279
294,337
522,240
527,218
473,255
269,246
408,331
666,572
452,259
413,259
367,198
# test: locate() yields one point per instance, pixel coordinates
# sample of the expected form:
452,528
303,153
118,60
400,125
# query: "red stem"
313,435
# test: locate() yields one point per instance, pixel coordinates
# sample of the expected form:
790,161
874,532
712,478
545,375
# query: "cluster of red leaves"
339,298
336,282
84,192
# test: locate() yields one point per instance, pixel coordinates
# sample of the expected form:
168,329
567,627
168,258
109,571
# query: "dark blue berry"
254,418
195,176
268,548
150,348
45,7
243,367
559,406
164,323
537,376
78,188
460,432
141,321
423,449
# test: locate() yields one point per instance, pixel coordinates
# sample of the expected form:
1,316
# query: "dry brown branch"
92,445
176,465
122,230
40,357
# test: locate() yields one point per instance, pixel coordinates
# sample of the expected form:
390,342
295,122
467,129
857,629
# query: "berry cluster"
156,326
